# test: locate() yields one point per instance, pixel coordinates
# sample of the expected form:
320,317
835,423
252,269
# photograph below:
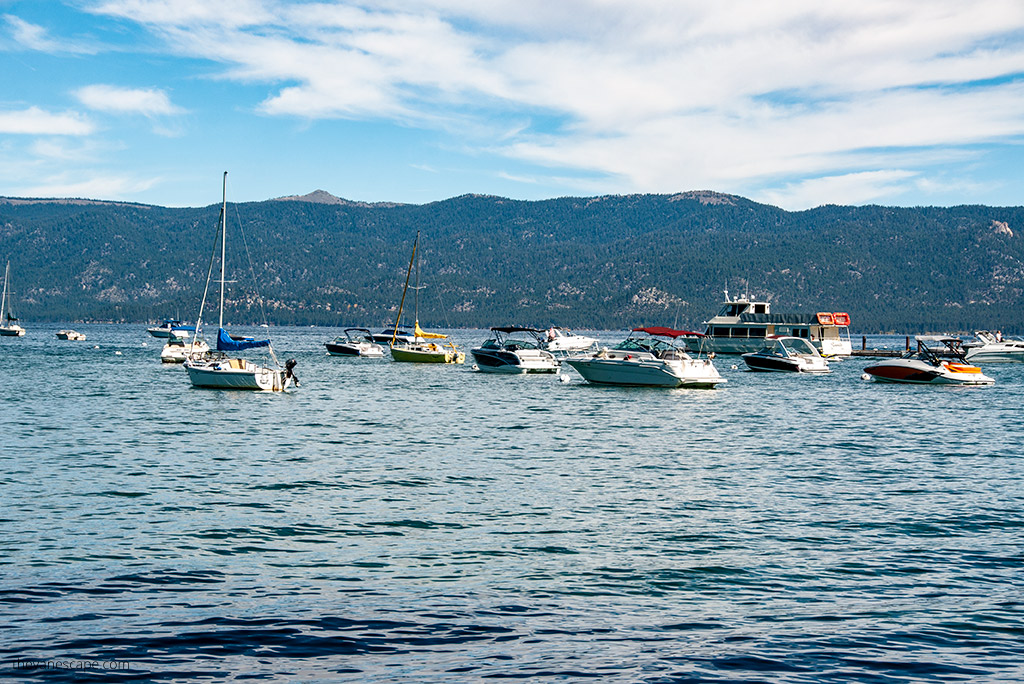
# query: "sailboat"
420,350
221,370
11,329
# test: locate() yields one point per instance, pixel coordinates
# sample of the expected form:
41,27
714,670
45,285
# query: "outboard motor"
289,372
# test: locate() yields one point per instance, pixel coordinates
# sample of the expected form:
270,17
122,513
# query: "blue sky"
796,103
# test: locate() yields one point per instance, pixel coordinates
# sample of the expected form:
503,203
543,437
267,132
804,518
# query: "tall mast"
401,304
3,301
223,242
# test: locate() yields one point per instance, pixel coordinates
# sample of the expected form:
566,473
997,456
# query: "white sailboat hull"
12,331
236,374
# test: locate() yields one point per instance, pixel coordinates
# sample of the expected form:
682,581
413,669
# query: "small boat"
938,360
171,327
515,350
654,357
991,348
69,335
11,329
178,349
401,335
355,342
219,370
743,325
562,341
787,354
420,350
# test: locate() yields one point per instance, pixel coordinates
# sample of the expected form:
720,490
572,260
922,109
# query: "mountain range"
595,262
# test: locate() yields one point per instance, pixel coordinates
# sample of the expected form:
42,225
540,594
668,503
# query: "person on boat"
551,334
999,335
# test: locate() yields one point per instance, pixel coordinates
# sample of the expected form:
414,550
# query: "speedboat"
654,357
355,342
69,335
787,354
179,349
938,360
400,335
515,350
171,327
991,348
561,341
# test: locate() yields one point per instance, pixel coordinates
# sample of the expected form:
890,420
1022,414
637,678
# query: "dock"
880,353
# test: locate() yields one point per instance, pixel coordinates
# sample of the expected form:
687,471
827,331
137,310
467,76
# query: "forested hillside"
601,262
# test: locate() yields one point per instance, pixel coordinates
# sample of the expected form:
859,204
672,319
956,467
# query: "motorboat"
421,349
743,325
562,341
70,335
991,348
655,357
515,350
787,354
178,349
355,342
171,327
221,370
401,334
9,325
938,360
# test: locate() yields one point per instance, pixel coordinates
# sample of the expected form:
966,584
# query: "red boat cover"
669,332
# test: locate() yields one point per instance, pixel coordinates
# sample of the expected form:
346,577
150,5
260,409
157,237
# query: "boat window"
733,309
757,332
760,308
739,332
720,332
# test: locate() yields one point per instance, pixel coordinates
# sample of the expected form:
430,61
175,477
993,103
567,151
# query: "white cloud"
654,96
97,187
35,37
851,188
108,98
36,121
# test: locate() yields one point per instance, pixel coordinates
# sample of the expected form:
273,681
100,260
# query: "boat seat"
237,363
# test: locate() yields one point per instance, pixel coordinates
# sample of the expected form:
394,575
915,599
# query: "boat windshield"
798,345
515,339
647,343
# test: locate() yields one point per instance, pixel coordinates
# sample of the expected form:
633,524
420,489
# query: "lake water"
395,522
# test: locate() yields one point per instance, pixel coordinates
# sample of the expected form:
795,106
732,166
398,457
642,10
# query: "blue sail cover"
226,344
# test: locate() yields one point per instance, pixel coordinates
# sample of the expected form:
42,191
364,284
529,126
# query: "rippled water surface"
395,522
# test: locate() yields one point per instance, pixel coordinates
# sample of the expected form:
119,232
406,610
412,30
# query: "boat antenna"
408,273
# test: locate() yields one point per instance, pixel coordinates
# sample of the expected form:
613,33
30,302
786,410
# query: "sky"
794,103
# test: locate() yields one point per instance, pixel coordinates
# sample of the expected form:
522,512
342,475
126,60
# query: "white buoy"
865,376
734,367
563,378
117,353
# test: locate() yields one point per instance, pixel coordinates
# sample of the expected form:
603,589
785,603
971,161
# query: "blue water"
395,523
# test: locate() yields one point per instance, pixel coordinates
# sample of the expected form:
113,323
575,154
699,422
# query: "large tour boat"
744,325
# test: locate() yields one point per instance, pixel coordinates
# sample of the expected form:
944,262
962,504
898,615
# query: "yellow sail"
428,336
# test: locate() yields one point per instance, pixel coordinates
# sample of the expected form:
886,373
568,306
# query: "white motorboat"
385,337
743,325
561,341
515,350
938,360
787,354
70,335
991,348
9,325
178,349
355,342
171,328
654,357
218,370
